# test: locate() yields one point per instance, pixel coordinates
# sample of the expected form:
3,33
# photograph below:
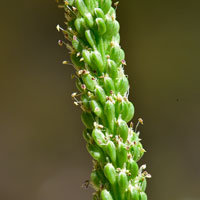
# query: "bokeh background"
42,153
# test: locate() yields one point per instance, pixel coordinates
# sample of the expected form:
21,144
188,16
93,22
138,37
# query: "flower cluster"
93,34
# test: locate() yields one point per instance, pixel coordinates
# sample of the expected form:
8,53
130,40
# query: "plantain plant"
92,32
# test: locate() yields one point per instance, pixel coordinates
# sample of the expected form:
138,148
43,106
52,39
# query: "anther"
60,42
123,62
74,94
76,103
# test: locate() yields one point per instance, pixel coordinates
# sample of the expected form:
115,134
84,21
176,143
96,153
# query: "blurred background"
42,153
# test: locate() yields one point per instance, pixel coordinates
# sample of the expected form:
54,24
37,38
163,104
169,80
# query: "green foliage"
93,32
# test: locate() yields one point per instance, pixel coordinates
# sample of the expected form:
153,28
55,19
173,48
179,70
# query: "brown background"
42,153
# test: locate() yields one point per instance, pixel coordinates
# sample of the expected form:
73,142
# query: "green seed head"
94,43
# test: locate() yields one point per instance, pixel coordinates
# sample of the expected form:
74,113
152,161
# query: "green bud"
143,196
111,151
136,153
87,120
101,175
105,195
76,44
110,173
141,150
89,20
85,101
121,154
97,61
101,26
79,85
112,27
87,57
122,129
96,108
88,81
130,112
106,5
117,54
71,2
82,8
80,26
87,136
100,94
132,166
95,180
96,152
112,12
122,182
121,109
122,85
135,194
109,86
76,61
99,13
109,111
143,183
112,69
98,137
90,38
90,5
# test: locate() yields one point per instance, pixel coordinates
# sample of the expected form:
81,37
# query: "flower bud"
100,94
98,137
109,111
95,180
117,54
87,136
101,26
111,151
81,7
110,173
90,38
122,129
106,5
97,61
109,86
121,155
96,152
112,27
85,101
122,182
76,61
143,196
99,13
96,108
132,166
87,119
134,194
76,44
143,183
136,153
89,20
80,26
87,57
90,4
105,195
112,69
79,85
122,85
121,108
88,81
131,110
71,2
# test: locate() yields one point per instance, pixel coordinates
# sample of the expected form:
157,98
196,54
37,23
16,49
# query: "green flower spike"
93,34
